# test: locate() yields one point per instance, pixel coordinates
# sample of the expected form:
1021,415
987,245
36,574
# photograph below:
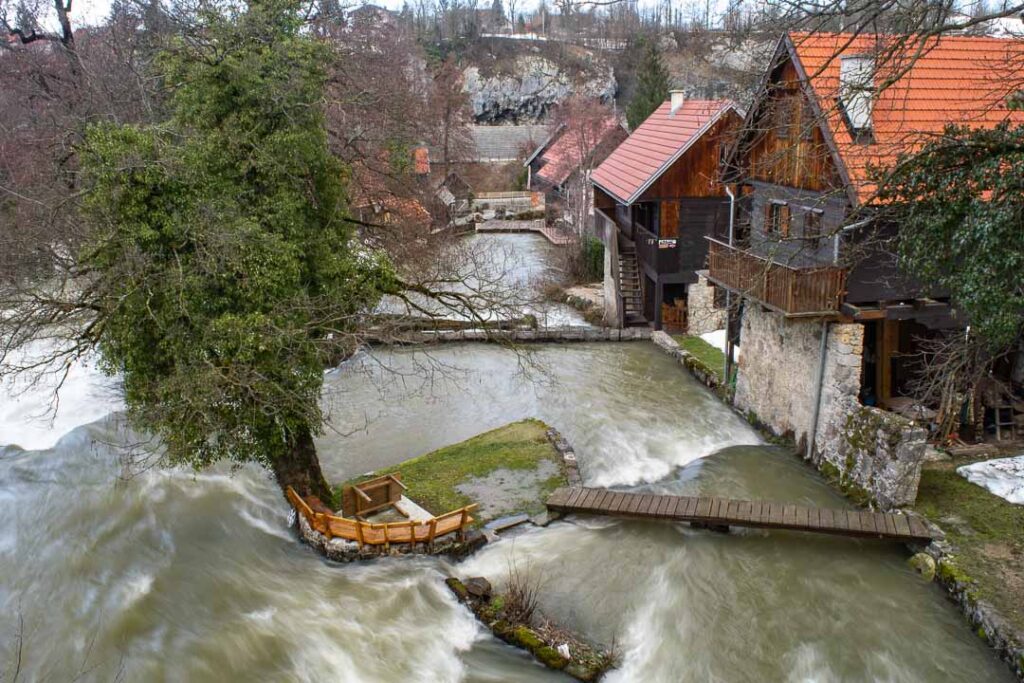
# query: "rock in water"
478,587
923,564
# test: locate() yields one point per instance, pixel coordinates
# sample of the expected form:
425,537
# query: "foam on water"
35,417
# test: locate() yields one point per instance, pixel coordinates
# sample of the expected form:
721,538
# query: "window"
812,222
808,121
776,219
645,215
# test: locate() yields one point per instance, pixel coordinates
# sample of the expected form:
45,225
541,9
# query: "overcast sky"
94,11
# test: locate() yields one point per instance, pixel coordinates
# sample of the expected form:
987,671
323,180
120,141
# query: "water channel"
177,576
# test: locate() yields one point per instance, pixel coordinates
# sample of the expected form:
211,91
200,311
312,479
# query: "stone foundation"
879,453
870,452
701,315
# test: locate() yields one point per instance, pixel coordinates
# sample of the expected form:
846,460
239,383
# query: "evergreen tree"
652,88
224,267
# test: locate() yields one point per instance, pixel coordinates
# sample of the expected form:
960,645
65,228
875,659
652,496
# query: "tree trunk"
299,467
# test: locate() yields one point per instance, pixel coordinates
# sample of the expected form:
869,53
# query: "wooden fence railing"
793,291
383,534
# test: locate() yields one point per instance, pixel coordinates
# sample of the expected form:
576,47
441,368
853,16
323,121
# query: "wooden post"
430,536
327,525
412,536
359,533
462,525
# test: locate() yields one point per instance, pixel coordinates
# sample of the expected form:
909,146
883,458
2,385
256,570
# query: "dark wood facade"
795,205
667,225
797,248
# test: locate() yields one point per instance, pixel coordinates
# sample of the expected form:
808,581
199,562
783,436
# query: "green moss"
458,588
527,638
982,634
703,355
549,657
432,479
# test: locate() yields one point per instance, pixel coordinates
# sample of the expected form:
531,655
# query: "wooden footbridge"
715,512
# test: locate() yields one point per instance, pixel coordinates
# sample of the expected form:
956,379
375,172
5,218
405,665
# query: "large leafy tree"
652,87
224,270
959,203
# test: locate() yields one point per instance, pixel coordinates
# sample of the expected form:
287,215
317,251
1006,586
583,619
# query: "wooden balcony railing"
795,292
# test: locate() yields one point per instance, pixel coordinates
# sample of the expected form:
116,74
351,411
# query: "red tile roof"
957,79
567,152
654,145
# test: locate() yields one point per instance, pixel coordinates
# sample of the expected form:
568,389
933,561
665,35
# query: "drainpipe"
839,233
728,294
817,392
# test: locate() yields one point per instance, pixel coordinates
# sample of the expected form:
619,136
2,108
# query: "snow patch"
717,339
1004,477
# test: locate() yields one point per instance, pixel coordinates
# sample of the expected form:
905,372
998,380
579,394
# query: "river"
171,575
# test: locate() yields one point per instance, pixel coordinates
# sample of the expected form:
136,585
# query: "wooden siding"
787,146
792,291
698,172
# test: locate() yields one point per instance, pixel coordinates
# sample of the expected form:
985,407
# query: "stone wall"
880,453
869,452
701,315
777,372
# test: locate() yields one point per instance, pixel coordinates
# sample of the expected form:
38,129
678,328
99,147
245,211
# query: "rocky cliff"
516,81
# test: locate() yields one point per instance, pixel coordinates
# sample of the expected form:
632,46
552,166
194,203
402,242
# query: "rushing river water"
176,576
195,577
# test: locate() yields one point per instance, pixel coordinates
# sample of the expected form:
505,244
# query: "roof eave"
610,193
679,153
826,130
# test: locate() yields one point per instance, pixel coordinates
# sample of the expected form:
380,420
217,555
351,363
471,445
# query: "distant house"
570,149
830,327
502,144
379,204
656,197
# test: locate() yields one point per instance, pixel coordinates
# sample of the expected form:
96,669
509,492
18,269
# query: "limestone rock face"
532,86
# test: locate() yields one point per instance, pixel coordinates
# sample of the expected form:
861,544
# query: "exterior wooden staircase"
629,288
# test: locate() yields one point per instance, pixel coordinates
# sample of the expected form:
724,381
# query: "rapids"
171,575
177,576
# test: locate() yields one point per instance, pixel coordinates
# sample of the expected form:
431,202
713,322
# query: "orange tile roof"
956,79
654,145
566,154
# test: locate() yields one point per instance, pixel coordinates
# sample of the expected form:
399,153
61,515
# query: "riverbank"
505,471
979,565
981,561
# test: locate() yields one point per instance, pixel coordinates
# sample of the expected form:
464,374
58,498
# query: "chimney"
677,97
857,90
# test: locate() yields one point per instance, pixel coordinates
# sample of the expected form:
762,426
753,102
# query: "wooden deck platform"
538,226
726,512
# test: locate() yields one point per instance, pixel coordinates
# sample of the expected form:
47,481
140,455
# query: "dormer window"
857,94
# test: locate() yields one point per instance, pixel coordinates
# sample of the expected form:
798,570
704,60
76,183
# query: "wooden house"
801,241
656,198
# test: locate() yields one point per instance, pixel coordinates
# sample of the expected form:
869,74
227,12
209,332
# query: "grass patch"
987,531
520,447
710,357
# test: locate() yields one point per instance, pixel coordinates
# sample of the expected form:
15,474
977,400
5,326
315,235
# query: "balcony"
794,292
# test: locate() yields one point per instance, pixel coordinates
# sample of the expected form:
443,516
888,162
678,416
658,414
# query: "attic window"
857,94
